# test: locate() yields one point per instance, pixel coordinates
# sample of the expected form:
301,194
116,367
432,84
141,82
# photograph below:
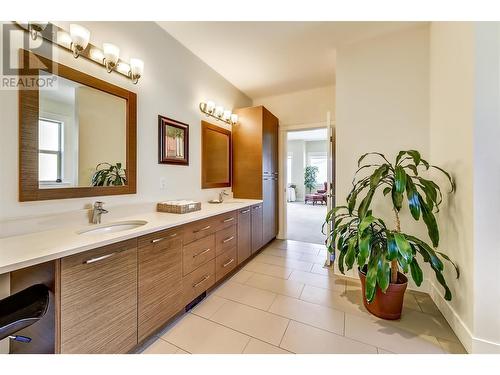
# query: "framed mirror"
77,137
215,156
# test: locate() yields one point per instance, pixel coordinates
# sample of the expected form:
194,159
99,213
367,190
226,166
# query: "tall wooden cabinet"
255,164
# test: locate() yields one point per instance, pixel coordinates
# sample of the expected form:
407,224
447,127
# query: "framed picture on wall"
173,141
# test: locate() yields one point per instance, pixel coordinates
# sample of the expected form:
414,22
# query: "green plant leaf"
377,175
383,273
364,249
392,248
372,153
400,155
351,252
457,270
430,222
413,199
403,246
365,223
450,179
399,179
397,198
416,272
371,278
415,155
365,203
387,190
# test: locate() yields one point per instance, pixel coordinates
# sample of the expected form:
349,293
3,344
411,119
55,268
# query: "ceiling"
308,135
271,58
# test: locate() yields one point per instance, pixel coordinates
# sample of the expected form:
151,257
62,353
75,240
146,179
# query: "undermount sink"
114,227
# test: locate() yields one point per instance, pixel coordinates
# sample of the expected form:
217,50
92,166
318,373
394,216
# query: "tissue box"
178,207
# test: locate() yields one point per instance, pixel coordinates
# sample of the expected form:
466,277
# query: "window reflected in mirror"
81,136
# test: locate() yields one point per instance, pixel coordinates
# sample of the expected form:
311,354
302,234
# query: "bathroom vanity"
112,291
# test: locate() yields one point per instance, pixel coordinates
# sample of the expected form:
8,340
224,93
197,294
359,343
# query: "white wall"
301,107
297,151
174,82
486,189
451,147
382,105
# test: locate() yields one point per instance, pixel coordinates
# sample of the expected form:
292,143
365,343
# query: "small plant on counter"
379,251
107,174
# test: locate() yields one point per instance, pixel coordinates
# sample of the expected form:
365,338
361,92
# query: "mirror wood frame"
29,189
206,127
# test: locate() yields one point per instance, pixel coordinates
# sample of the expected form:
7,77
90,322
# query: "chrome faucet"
221,195
97,212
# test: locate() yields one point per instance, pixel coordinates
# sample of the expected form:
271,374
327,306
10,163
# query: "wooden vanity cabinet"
244,234
257,228
159,280
98,300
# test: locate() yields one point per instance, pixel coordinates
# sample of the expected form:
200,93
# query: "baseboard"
475,345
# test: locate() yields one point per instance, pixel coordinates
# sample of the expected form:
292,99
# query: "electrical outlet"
163,183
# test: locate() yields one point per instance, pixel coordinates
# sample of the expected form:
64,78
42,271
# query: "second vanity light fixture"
218,112
77,41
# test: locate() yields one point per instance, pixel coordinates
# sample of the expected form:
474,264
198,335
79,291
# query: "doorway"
306,185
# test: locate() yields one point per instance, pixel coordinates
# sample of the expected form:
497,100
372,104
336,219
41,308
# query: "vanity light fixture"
136,69
80,37
35,27
218,112
111,56
77,40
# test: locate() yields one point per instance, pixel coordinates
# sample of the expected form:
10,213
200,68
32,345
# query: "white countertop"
30,249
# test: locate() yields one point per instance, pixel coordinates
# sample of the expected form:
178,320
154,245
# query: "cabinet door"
244,234
270,208
257,227
160,280
270,144
99,300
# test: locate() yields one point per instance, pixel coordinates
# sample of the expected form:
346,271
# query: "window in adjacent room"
319,160
289,169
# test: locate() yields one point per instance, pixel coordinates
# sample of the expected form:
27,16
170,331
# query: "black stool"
21,310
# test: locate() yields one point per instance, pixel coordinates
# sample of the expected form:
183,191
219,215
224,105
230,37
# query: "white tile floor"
284,301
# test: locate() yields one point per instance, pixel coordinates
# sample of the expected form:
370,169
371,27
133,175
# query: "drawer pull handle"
228,263
93,260
228,220
228,239
245,211
203,252
202,229
205,278
156,240
256,208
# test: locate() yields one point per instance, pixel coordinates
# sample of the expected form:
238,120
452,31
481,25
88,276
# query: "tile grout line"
284,333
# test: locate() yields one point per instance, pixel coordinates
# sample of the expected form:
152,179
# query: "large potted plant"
385,254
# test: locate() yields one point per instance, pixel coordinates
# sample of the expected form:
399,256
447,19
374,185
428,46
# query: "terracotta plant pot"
386,305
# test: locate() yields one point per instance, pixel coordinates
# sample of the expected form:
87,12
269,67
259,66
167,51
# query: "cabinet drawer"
225,220
225,239
161,236
99,300
198,229
198,281
197,253
225,263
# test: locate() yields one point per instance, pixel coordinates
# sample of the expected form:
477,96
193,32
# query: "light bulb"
234,118
219,110
210,106
227,115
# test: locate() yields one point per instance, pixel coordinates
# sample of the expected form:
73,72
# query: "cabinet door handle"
228,219
256,208
156,240
245,211
228,263
97,259
205,278
228,239
202,229
203,252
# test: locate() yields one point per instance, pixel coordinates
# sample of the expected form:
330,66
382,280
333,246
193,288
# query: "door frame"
283,154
